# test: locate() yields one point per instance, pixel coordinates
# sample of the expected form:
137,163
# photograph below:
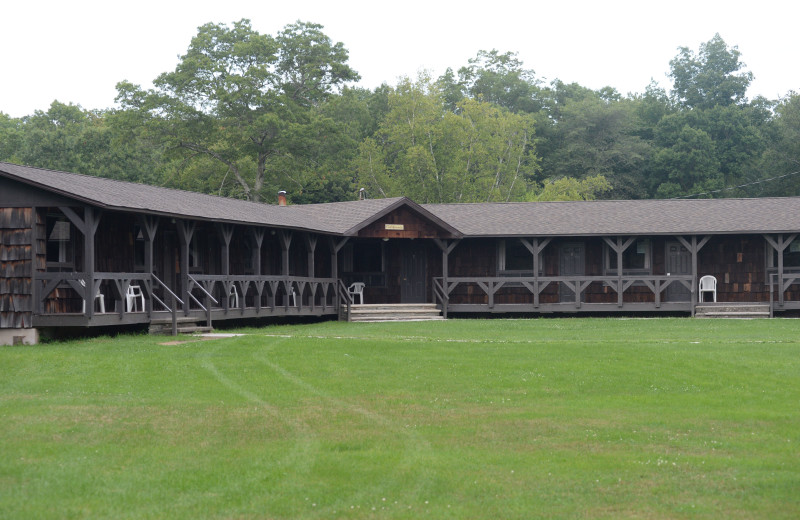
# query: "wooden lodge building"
82,251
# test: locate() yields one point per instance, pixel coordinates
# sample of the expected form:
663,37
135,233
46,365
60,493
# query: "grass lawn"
549,418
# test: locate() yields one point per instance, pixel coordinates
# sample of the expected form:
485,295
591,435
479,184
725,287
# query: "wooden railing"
345,300
440,296
174,300
535,285
294,291
782,282
86,287
209,299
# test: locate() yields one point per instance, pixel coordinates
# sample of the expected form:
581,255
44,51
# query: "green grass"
555,418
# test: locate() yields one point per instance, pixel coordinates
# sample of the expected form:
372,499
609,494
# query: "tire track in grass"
417,447
301,458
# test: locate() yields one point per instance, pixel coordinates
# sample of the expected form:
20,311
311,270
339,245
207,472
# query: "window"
364,262
791,256
194,255
635,259
60,244
514,258
138,249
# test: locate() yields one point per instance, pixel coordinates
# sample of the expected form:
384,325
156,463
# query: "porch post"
149,227
226,233
89,231
780,244
695,288
619,247
620,289
88,227
335,248
535,247
286,242
694,247
258,239
185,232
446,248
311,246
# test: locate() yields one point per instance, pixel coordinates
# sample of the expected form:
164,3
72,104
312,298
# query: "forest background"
246,114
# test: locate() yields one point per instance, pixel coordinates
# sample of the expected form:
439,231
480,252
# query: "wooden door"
570,263
678,261
413,274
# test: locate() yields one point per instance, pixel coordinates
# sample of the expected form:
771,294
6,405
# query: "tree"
493,77
711,77
423,150
249,104
596,134
781,159
570,188
686,163
68,137
10,134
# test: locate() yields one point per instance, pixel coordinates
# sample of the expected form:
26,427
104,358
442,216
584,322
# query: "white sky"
76,51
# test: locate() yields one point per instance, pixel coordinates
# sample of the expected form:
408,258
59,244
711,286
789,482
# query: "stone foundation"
19,336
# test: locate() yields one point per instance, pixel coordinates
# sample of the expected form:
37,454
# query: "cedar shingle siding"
16,238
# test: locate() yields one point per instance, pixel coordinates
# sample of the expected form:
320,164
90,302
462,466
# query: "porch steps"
186,325
732,310
395,312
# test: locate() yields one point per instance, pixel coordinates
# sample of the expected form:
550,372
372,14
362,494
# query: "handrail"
174,309
169,291
345,299
440,295
772,294
203,289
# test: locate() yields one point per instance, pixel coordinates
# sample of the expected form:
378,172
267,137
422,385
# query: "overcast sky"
76,51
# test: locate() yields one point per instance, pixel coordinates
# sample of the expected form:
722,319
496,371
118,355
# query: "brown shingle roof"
335,218
623,217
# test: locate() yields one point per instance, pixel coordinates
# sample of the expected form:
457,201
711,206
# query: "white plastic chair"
132,294
357,289
233,297
99,297
293,298
708,284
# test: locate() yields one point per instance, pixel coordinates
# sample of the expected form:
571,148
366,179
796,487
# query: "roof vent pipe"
362,195
281,198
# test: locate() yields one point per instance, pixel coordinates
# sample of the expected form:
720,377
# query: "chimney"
281,198
362,195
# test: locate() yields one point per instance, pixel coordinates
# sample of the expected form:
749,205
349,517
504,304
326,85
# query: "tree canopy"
245,114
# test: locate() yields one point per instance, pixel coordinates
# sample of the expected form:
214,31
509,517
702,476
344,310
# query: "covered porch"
103,268
658,274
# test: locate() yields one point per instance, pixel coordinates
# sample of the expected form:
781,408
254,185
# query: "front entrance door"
570,263
679,261
413,274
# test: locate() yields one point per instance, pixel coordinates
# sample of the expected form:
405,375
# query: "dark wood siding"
16,267
413,226
739,265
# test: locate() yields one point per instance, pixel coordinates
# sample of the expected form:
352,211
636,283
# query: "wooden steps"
732,310
186,325
395,312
